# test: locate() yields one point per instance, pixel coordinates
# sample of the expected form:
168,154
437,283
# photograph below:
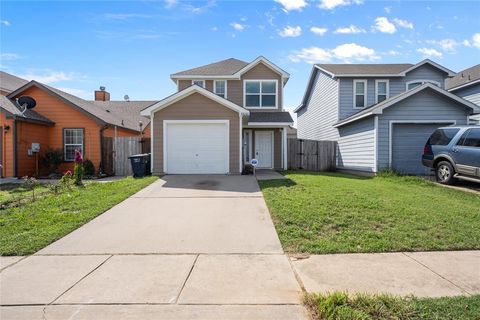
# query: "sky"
132,47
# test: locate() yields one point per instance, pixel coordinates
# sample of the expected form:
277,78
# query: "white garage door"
196,147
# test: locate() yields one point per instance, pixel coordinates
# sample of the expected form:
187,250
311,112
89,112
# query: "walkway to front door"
185,247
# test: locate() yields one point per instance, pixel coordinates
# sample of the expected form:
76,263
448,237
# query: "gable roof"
379,107
129,111
227,69
219,68
9,82
187,92
100,115
270,117
29,115
464,78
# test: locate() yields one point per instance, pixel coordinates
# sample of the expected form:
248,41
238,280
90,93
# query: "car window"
442,137
471,139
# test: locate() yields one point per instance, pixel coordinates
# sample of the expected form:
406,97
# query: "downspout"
14,141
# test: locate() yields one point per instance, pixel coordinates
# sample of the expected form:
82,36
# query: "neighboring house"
223,115
381,115
291,132
466,84
61,121
9,83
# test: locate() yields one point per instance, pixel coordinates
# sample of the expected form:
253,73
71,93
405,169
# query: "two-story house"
222,116
381,115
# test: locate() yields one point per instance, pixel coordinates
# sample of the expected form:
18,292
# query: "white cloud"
430,52
237,26
215,29
348,52
291,5
350,30
383,25
290,31
475,40
332,4
393,53
77,92
6,23
403,23
9,56
49,76
388,9
445,44
170,3
318,30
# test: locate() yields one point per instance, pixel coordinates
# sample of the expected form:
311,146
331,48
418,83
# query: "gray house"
466,84
381,115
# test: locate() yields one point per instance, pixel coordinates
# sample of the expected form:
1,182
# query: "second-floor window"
360,93
220,88
200,83
260,94
381,90
416,83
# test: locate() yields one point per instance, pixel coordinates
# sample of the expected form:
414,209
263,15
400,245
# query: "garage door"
408,141
196,147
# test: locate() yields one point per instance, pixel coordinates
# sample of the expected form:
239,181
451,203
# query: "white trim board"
187,92
165,138
365,92
387,88
390,131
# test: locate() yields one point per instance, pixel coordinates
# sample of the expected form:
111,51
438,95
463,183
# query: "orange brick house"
61,121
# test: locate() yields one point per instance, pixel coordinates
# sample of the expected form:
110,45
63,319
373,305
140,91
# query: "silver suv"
454,153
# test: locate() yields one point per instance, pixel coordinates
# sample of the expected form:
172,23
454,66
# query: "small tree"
78,168
88,168
52,159
30,183
66,182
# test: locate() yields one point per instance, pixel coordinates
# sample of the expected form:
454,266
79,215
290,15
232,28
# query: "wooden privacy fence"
312,155
117,150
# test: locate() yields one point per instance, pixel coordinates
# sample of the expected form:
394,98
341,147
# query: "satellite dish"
126,97
26,102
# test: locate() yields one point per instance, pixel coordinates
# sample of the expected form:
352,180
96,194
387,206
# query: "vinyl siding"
397,85
196,107
315,120
356,146
425,105
471,93
7,145
28,133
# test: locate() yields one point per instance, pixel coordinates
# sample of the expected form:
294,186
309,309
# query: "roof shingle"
9,82
275,116
219,68
365,69
463,77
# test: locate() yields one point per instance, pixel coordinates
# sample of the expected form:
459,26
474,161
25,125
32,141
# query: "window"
260,94
442,137
381,90
220,88
416,83
72,139
200,83
359,93
471,138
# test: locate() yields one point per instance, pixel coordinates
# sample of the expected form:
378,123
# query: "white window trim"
387,88
365,82
215,87
390,131
165,139
73,144
197,80
421,81
260,80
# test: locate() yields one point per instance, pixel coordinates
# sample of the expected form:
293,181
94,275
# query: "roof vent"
126,98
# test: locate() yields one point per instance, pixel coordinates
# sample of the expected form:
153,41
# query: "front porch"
266,144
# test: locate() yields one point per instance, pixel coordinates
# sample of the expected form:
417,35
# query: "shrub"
78,168
66,182
51,159
30,183
88,168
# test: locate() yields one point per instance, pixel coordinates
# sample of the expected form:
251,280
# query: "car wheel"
444,172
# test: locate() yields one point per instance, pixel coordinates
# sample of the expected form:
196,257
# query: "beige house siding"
259,72
277,146
196,107
183,84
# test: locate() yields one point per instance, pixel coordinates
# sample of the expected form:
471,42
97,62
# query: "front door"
264,149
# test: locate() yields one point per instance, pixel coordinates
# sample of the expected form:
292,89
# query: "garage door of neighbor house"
196,147
408,140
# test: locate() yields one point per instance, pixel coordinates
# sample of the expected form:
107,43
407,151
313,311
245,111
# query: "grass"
340,213
30,227
340,306
13,192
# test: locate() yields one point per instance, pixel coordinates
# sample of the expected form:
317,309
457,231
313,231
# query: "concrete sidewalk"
423,274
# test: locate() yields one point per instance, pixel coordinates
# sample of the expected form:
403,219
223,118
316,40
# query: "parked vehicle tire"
444,172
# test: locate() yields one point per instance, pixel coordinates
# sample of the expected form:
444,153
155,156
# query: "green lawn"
27,228
340,306
333,213
13,192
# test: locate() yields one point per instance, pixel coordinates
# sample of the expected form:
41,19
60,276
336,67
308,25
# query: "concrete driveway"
186,247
